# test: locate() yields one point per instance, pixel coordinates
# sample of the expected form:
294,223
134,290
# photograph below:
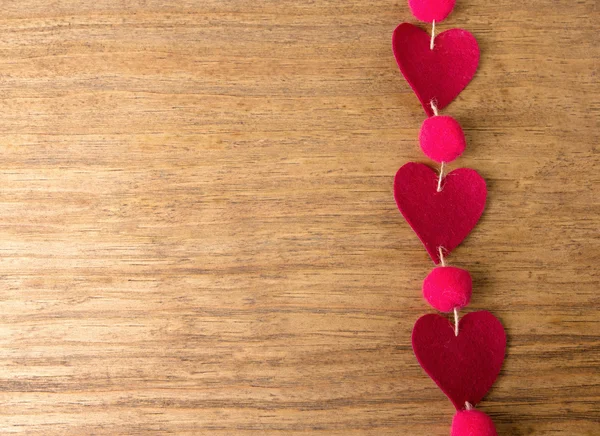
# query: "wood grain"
198,234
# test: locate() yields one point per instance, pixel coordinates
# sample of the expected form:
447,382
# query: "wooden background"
198,234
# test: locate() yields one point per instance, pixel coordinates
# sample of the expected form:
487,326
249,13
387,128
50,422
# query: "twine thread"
439,185
455,322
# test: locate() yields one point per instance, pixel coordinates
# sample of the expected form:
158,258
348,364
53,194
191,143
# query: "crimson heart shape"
464,366
440,219
439,74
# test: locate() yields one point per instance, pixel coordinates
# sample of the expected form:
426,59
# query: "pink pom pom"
448,287
472,423
442,139
429,10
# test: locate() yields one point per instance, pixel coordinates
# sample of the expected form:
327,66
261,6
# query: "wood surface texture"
198,234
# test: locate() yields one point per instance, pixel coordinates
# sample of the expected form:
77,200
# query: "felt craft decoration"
441,138
447,288
463,359
444,218
472,423
437,75
431,10
463,366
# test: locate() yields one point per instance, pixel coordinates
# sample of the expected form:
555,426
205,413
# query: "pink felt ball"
472,423
448,287
442,139
430,10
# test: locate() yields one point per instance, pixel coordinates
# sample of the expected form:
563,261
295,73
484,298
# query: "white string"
455,322
441,252
468,405
432,35
433,107
439,186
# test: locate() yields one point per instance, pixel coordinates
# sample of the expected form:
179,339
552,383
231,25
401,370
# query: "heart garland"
463,359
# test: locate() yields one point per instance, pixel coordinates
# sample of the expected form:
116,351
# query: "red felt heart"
440,219
464,366
439,74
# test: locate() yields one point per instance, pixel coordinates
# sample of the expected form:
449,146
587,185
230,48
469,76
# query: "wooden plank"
198,234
